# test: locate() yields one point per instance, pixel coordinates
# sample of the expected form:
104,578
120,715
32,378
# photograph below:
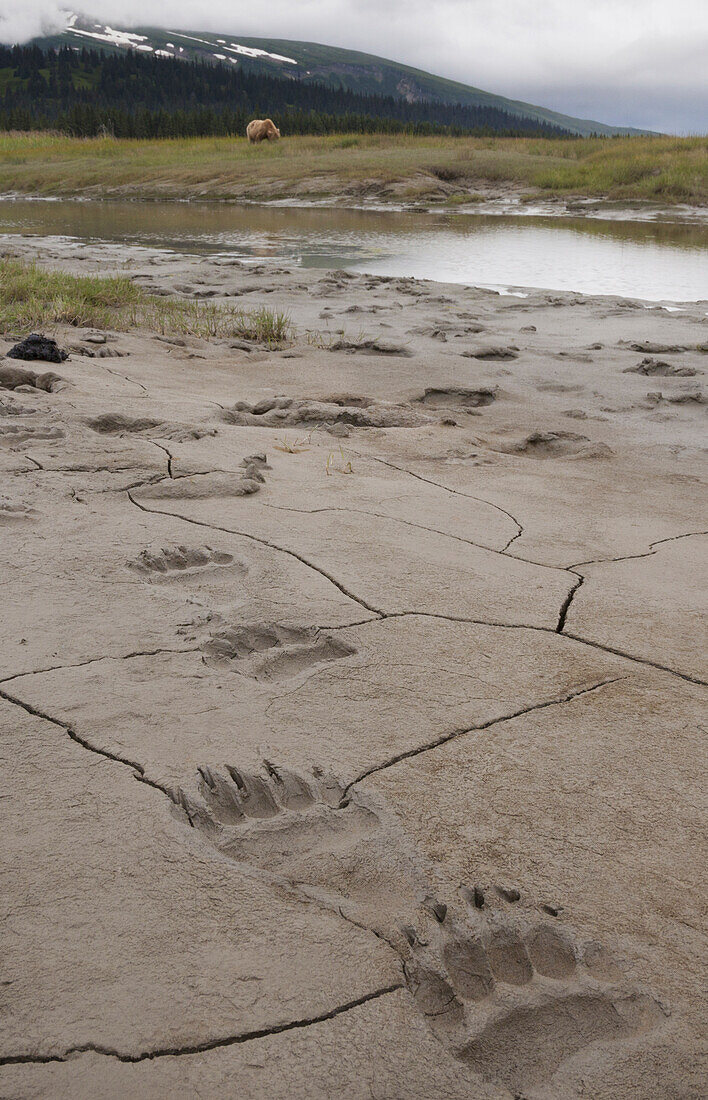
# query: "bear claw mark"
515,1002
281,821
238,796
173,562
269,651
339,850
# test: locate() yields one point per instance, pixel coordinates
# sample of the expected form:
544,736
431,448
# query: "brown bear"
262,129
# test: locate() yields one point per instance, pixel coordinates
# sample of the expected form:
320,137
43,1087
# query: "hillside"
86,93
311,62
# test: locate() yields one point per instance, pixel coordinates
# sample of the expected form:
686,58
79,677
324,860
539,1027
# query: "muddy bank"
420,194
351,695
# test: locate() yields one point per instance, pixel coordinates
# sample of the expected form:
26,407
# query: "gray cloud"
19,22
634,62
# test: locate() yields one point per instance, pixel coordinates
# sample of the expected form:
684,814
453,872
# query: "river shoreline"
496,204
661,260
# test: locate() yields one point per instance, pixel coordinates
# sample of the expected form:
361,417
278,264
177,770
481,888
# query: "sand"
351,696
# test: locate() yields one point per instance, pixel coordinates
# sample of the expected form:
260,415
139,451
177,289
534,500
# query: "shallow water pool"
658,261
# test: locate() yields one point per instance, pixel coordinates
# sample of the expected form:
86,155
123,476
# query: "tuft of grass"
32,297
316,338
294,446
447,173
331,463
261,326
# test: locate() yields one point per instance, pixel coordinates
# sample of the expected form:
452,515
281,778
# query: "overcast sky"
629,62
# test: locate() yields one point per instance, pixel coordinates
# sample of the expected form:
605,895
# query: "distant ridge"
309,61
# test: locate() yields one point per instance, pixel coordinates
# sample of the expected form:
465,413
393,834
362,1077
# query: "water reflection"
653,260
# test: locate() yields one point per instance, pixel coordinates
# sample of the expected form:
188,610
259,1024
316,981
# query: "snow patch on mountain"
247,51
130,41
115,37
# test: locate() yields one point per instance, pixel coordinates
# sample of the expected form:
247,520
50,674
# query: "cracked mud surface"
351,699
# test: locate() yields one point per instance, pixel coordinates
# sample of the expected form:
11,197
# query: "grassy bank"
662,169
34,298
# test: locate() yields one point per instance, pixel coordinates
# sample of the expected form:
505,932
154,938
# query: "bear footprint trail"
513,997
587,805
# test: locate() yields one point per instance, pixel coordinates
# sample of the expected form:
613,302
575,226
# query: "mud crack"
263,542
447,489
631,557
454,734
137,768
208,1044
96,660
528,626
131,381
422,527
166,452
565,606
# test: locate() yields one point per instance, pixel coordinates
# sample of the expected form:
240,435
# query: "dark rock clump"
36,346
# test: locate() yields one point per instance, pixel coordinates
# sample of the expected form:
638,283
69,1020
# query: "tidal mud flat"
352,695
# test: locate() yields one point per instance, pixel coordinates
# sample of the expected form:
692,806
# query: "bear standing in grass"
262,129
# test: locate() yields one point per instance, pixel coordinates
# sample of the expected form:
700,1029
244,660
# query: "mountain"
309,62
142,94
